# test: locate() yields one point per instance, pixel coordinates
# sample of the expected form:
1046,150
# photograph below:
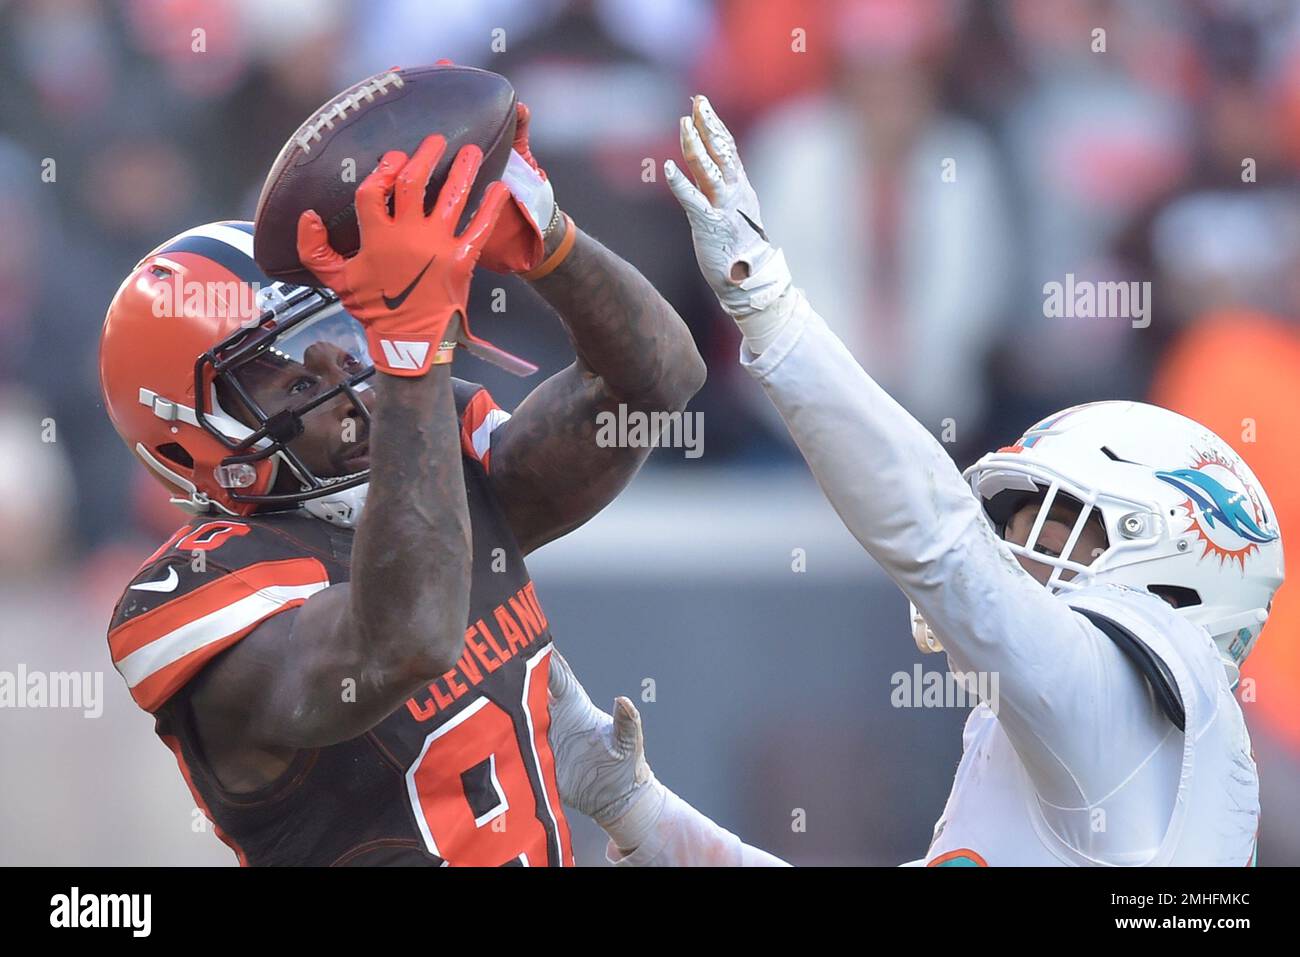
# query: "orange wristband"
561,253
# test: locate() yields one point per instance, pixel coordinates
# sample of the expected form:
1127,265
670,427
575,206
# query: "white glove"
746,272
600,761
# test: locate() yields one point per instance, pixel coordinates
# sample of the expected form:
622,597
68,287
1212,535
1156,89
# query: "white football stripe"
481,438
212,627
226,234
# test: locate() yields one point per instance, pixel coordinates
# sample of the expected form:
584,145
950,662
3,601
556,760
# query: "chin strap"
925,639
339,508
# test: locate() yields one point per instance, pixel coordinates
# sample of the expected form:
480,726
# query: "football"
336,148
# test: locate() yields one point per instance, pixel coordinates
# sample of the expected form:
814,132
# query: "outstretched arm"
897,490
632,349
602,772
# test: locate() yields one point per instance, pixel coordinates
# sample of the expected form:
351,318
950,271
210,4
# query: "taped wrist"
630,830
761,329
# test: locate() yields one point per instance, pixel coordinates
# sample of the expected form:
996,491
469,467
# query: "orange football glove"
516,243
524,116
411,276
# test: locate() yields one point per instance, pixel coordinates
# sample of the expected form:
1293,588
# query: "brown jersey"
461,774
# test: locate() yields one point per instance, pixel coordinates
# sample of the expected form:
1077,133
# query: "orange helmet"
190,318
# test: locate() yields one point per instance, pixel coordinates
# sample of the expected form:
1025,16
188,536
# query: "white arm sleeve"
683,837
1068,700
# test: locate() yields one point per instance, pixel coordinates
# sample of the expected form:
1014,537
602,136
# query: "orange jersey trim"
959,854
478,414
200,611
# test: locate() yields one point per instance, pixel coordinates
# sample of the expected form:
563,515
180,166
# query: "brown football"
323,162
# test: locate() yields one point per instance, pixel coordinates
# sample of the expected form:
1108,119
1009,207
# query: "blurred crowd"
927,165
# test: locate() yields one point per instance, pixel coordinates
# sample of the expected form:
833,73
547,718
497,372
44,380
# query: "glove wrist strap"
631,829
408,354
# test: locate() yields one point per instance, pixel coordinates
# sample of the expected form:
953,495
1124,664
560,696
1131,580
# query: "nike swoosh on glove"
411,276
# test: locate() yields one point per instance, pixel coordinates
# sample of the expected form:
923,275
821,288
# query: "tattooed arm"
399,622
400,619
632,349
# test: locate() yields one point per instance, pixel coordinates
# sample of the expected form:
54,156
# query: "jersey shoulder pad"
1150,617
1176,657
480,416
207,587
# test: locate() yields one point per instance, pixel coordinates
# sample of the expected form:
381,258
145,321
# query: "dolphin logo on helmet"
1215,501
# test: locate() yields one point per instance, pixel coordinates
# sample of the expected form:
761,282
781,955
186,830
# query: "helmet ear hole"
1177,595
175,453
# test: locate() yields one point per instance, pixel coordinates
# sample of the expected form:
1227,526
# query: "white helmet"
1184,515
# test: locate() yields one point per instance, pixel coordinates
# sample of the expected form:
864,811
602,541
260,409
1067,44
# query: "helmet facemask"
304,356
1130,525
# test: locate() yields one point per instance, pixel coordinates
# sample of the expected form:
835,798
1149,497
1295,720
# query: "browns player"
342,645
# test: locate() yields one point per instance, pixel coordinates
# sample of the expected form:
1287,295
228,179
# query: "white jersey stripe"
481,438
226,234
213,627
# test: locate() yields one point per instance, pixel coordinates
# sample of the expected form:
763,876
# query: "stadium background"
771,688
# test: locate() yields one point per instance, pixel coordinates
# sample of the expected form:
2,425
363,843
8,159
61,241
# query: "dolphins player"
1116,738
1114,566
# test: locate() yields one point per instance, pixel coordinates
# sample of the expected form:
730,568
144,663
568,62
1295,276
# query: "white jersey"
1079,765
1132,789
